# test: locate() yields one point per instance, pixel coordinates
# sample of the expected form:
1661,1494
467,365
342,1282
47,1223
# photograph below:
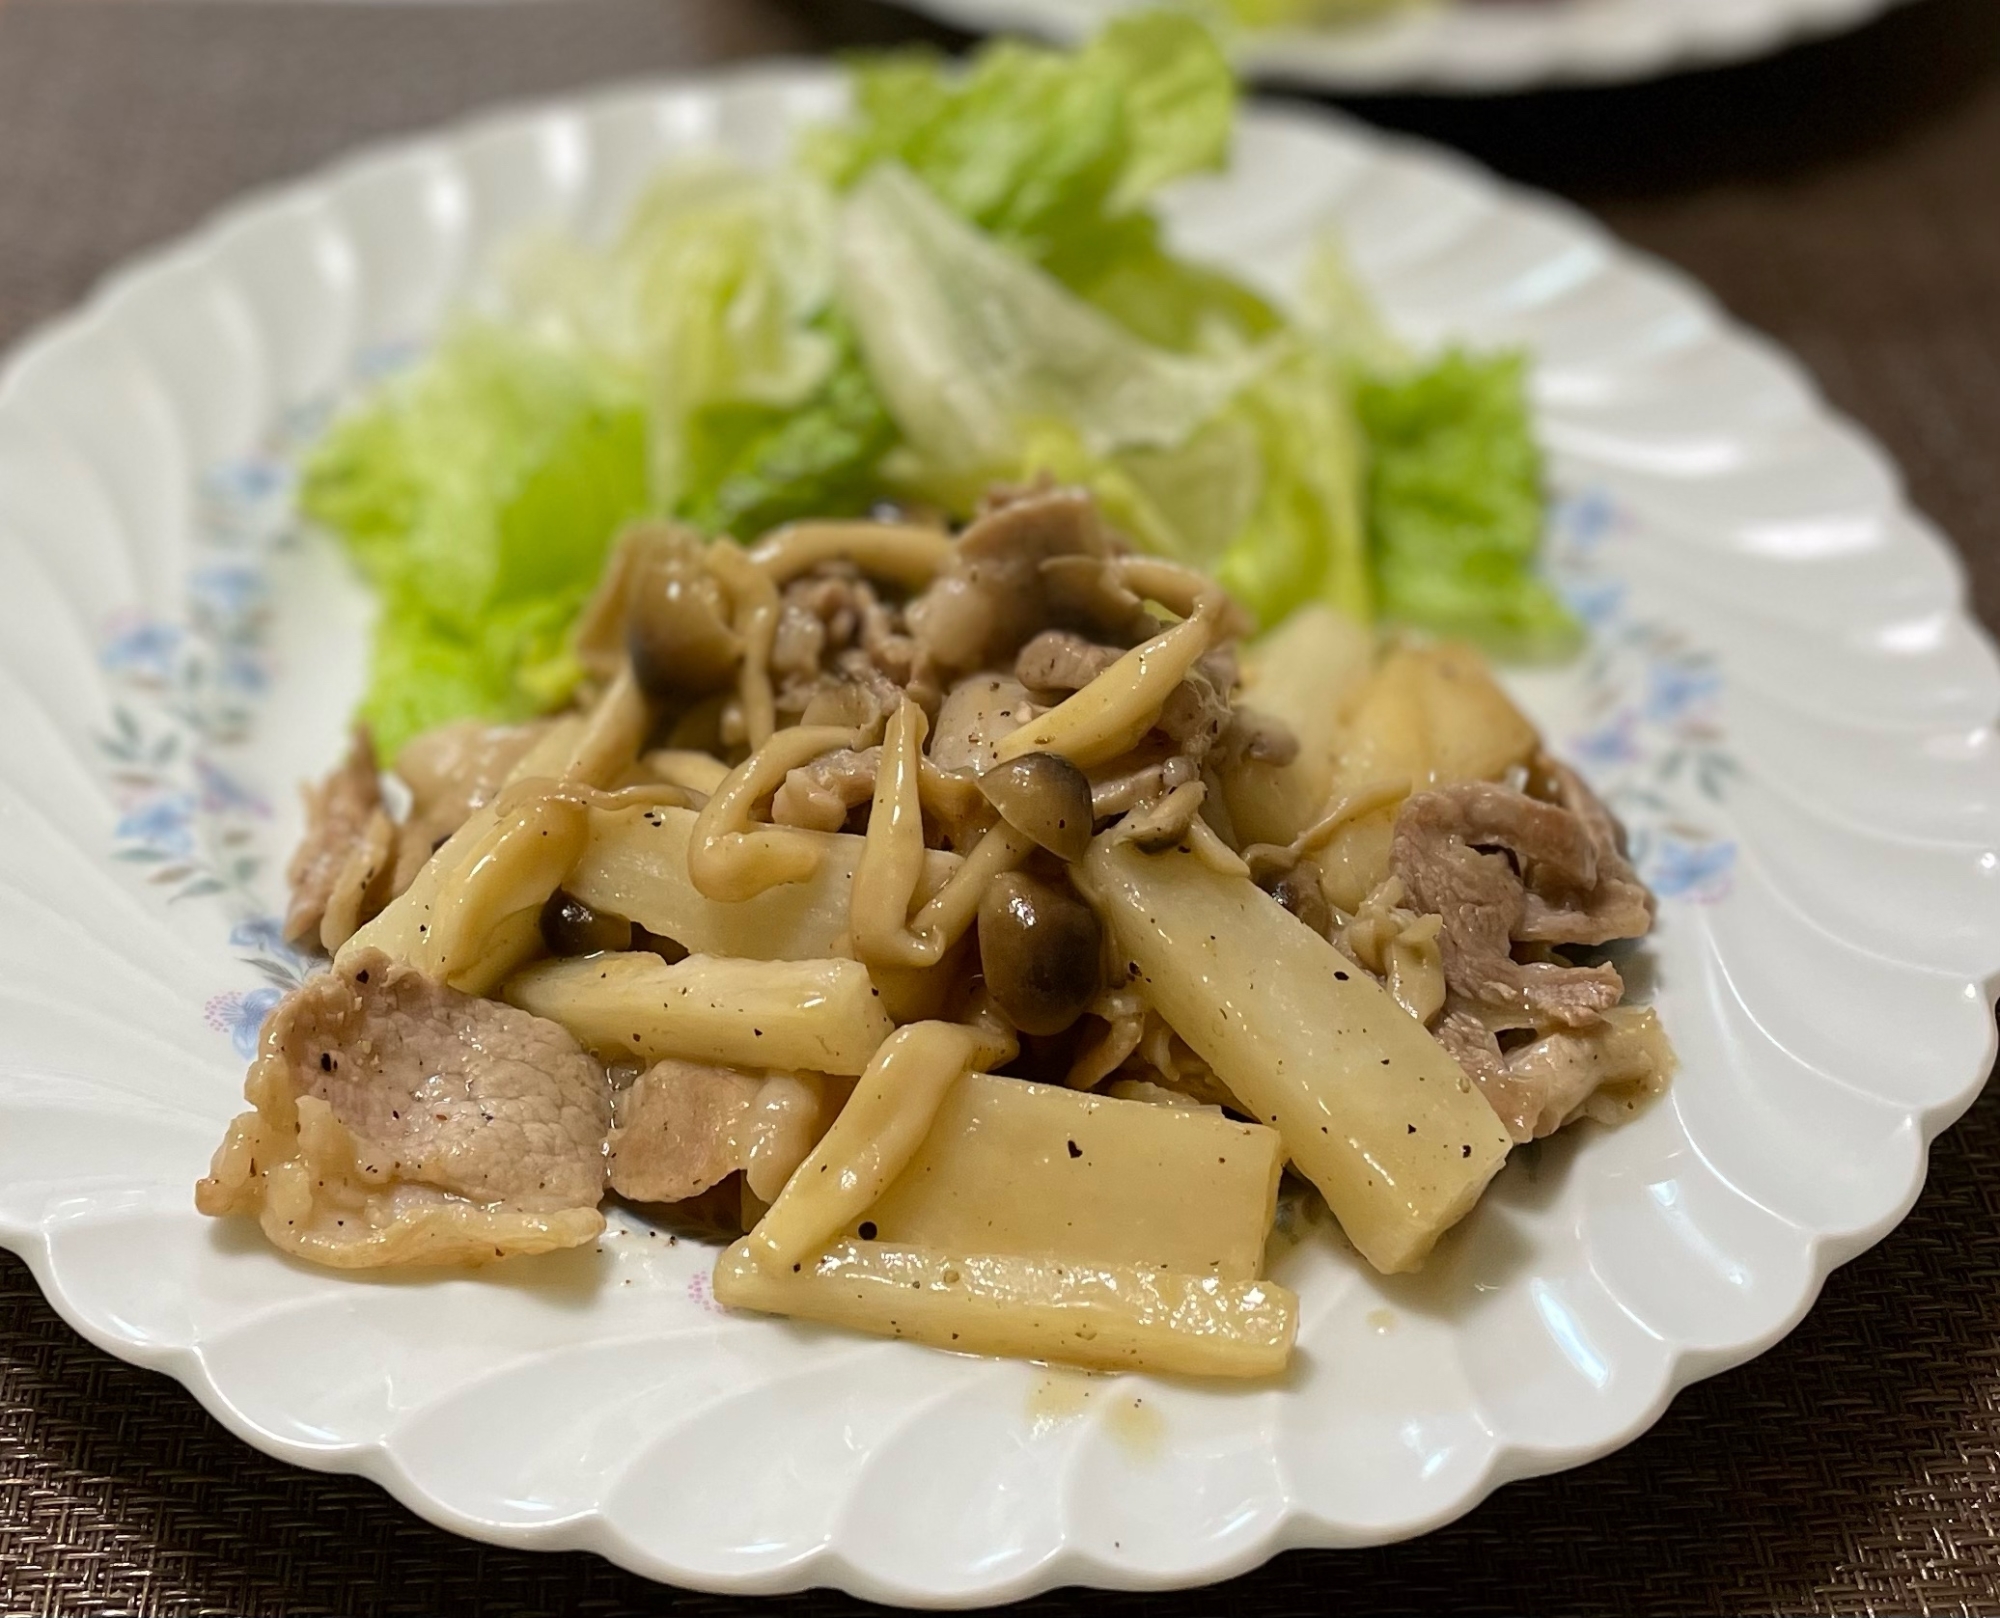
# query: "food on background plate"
917,749
1312,13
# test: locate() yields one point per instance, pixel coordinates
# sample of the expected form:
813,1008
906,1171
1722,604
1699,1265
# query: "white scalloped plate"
1784,695
1467,47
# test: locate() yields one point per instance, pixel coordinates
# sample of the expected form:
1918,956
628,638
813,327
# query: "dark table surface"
1845,198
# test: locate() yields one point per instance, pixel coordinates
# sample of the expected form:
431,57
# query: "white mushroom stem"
873,1139
1273,859
728,860
488,909
909,554
613,734
755,599
950,913
892,860
640,795
686,767
1182,590
948,796
1212,851
1110,715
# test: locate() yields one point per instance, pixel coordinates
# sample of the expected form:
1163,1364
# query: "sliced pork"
450,772
1538,1087
685,1127
1471,854
992,598
1062,660
341,813
819,795
399,1121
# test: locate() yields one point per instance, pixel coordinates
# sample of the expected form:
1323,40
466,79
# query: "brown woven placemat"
1845,198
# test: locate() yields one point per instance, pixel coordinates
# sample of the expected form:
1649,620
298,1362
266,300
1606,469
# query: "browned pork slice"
683,1127
1062,660
1615,904
991,597
841,651
1197,711
1600,1072
799,640
353,859
398,1121
1510,874
1470,854
340,813
450,772
819,795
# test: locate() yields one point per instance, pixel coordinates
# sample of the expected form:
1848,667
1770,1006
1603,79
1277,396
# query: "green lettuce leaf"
1038,146
480,495
962,282
713,298
749,467
1247,462
1057,154
972,346
1305,540
1455,504
1173,303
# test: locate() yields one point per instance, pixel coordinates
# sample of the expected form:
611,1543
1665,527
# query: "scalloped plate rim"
1297,1527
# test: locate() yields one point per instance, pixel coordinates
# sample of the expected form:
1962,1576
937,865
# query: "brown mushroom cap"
1043,796
571,927
677,620
1040,949
1299,891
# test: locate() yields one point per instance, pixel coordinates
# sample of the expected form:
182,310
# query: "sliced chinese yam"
1372,1109
635,865
818,1016
878,1133
1104,1317
1042,1170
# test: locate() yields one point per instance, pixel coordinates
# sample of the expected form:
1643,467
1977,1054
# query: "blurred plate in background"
1476,47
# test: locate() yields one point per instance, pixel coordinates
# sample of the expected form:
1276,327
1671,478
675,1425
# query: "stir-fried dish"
896,767
969,919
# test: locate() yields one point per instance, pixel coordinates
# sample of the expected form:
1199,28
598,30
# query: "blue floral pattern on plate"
186,700
1652,741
